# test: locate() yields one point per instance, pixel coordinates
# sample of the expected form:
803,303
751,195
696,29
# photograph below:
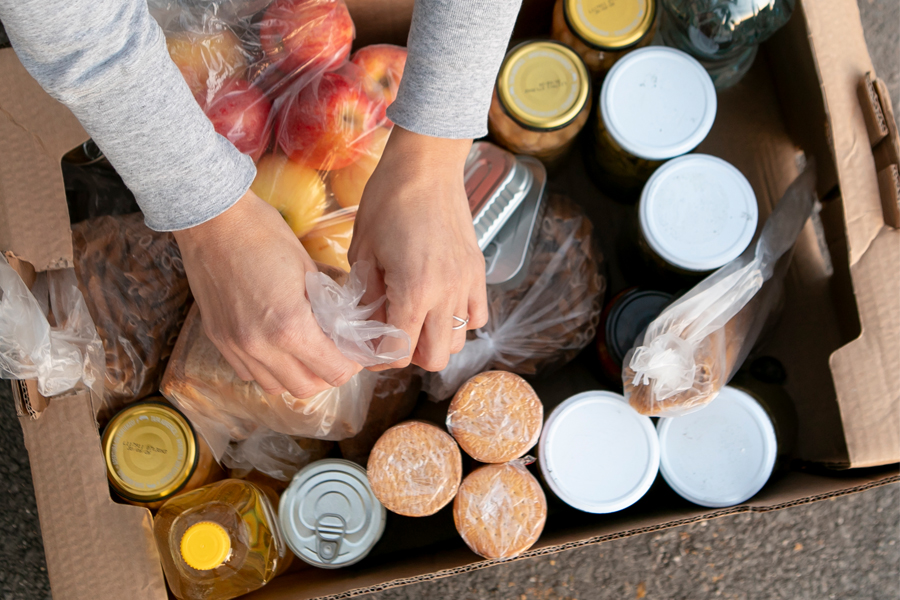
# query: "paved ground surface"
845,549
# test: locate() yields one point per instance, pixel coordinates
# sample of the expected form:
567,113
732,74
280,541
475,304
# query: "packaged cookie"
415,469
495,417
500,510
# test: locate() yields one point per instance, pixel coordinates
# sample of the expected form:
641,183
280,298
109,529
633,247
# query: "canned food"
696,214
721,455
152,453
623,320
329,515
655,104
597,454
541,101
496,184
603,31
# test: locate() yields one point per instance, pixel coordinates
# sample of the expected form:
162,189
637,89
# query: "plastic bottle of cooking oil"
220,541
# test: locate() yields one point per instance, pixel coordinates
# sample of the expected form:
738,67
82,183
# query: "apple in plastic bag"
384,64
307,34
296,191
207,61
329,244
240,112
329,123
348,183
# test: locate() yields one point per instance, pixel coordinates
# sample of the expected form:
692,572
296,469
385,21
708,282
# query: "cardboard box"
812,89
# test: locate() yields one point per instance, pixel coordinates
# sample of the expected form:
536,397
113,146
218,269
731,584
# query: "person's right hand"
247,271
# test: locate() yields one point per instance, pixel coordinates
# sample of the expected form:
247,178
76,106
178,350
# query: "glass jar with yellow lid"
541,101
603,31
152,453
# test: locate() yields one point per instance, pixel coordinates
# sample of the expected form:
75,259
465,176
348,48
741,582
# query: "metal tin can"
329,515
721,455
597,454
623,319
541,101
496,184
603,31
509,253
655,104
697,213
152,453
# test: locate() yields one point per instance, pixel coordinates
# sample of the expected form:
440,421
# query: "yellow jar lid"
610,24
150,451
205,546
543,85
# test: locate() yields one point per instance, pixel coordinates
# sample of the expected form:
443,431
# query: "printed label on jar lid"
698,212
610,24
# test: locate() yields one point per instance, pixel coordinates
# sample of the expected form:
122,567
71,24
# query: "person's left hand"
414,225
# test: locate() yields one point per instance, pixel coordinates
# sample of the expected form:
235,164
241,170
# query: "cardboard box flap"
36,131
876,104
95,548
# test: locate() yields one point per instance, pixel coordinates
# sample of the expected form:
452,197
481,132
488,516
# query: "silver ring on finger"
462,323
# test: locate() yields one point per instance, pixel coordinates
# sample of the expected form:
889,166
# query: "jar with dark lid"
655,104
152,454
541,101
603,31
623,319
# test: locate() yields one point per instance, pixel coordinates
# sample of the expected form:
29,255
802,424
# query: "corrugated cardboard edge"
94,547
36,131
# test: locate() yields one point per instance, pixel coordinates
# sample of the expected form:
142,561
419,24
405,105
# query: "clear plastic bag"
500,510
276,78
275,455
47,333
549,318
697,344
137,292
495,417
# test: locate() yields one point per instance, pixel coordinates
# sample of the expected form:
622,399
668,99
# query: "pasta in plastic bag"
698,342
60,354
500,510
548,319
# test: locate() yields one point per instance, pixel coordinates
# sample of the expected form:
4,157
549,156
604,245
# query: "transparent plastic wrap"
224,408
47,333
137,292
500,510
276,78
394,398
415,469
697,344
545,321
272,458
495,417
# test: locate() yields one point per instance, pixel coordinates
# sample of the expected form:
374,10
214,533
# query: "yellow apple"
329,244
348,183
295,190
206,60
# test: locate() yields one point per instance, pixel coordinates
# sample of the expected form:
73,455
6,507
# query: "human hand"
247,271
415,225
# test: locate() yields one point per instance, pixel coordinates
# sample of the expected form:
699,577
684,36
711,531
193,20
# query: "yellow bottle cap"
610,24
150,451
205,546
543,85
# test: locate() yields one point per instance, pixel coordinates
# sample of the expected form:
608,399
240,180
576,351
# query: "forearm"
107,61
455,51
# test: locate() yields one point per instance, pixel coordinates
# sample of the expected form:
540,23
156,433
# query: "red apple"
384,64
307,34
330,122
240,112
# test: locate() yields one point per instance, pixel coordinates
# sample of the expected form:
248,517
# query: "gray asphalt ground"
844,549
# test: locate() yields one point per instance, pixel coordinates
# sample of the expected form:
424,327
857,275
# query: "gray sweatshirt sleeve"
107,61
455,51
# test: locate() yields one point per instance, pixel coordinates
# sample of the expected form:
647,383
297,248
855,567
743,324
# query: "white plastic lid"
597,453
698,212
721,455
658,103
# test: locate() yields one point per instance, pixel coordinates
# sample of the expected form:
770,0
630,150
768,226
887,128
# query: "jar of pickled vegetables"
541,101
655,104
603,31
